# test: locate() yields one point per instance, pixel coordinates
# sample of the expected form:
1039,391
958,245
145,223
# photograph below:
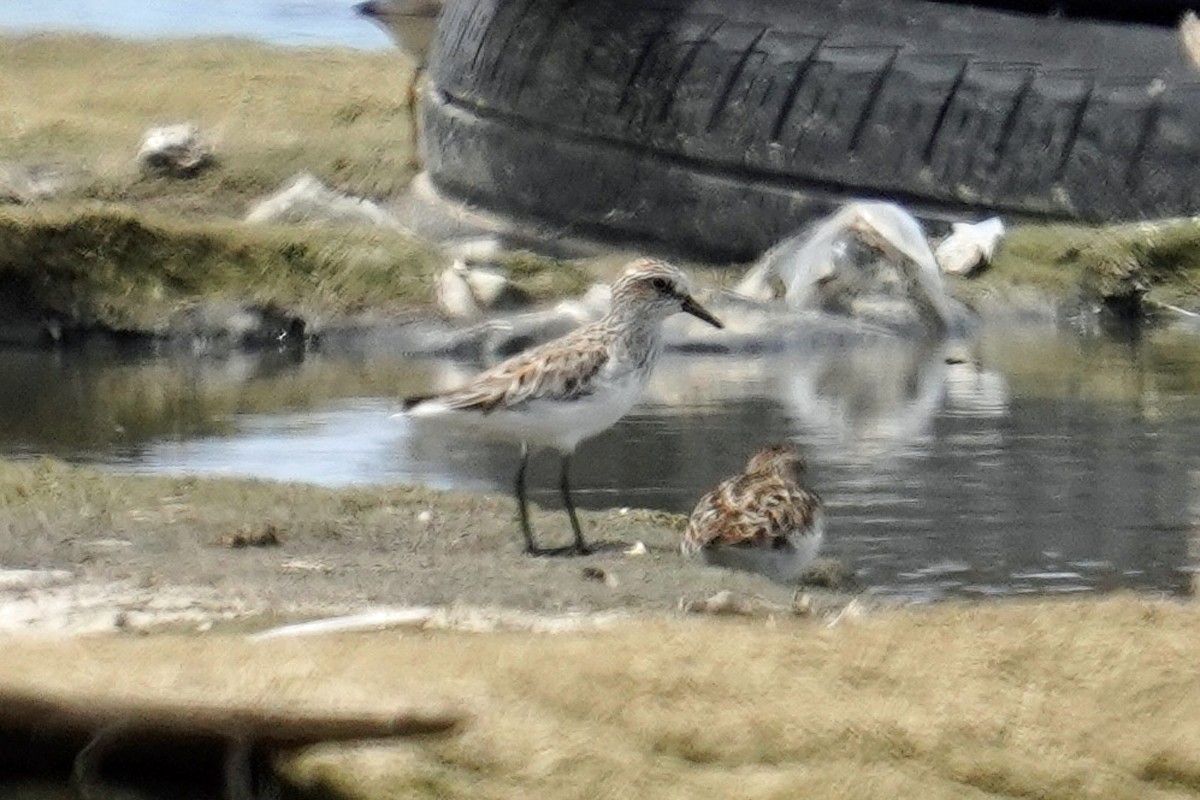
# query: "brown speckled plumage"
626,340
763,506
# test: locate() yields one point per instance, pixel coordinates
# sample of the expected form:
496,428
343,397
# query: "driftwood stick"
239,770
85,772
267,726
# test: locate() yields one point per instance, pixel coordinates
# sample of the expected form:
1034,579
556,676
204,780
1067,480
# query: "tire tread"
1068,119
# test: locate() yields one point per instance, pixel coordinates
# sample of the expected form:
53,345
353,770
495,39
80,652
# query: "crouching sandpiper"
572,388
763,520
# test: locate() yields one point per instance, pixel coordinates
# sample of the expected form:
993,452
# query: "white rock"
177,150
29,183
453,294
969,246
303,565
489,284
1189,36
306,199
476,248
466,292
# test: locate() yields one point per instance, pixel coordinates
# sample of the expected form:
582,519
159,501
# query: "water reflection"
1029,464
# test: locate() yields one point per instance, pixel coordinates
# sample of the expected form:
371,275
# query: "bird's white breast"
560,424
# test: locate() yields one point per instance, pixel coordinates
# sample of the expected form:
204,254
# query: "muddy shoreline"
118,259
100,552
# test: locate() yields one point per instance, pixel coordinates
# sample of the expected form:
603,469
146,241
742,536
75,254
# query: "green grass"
1117,263
133,270
121,250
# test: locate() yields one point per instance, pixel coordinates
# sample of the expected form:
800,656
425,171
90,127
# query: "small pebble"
601,574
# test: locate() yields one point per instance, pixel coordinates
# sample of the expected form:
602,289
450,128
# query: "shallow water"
287,22
1052,464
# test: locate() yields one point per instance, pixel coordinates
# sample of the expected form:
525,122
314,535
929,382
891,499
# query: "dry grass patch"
1051,700
271,112
1065,699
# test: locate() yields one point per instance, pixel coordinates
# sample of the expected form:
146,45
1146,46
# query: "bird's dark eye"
661,284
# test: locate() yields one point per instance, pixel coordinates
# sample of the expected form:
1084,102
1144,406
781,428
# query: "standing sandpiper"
570,389
761,521
411,24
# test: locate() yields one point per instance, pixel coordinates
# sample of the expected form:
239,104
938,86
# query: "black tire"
717,127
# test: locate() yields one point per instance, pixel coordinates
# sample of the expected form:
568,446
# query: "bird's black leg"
565,485
522,506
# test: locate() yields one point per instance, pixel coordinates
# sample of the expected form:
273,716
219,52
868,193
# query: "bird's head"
781,459
657,290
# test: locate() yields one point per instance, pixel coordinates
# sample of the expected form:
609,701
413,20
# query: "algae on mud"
1116,263
125,270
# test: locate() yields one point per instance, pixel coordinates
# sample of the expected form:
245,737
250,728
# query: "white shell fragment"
176,150
969,246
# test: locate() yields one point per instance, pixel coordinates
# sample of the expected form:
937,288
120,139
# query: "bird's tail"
409,403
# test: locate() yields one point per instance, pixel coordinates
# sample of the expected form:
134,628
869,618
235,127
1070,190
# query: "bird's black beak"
698,311
367,9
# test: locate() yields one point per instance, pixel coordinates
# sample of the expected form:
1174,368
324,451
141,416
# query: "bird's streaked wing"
557,370
750,509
